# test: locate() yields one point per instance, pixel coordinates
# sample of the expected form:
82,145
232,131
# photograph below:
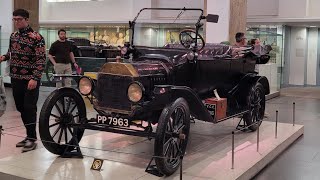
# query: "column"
33,7
238,18
232,19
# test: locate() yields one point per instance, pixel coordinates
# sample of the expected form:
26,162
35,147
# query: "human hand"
76,65
32,84
2,58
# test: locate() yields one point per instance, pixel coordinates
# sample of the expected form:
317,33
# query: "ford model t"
163,82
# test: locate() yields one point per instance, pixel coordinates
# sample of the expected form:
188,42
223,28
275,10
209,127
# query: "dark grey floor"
302,159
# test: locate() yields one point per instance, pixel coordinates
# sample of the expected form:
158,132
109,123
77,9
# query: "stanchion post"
276,134
294,114
258,134
181,158
232,155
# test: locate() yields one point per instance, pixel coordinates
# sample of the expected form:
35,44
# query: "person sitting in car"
240,45
255,41
241,40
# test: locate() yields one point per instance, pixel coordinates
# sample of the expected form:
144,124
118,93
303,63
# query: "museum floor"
299,161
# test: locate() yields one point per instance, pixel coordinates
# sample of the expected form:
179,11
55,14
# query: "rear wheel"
63,109
172,136
256,103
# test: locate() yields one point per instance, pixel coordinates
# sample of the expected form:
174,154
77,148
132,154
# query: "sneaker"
29,146
21,143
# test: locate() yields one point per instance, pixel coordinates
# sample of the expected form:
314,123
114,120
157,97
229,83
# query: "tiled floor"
300,161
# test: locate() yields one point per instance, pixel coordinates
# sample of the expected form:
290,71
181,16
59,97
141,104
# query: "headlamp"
135,92
86,85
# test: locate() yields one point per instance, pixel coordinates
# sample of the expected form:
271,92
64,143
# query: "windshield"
158,27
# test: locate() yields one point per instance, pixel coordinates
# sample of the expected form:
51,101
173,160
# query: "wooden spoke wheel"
256,102
172,136
61,112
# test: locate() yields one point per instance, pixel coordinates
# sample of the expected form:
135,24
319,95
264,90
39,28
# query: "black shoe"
29,146
21,143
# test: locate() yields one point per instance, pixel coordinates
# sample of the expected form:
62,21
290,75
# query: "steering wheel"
187,38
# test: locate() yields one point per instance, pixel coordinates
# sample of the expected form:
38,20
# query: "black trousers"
26,103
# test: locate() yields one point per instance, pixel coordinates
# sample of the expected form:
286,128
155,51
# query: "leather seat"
212,50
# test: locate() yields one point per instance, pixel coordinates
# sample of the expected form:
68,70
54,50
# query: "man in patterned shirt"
27,55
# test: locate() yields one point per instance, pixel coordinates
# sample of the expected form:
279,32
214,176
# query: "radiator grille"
112,91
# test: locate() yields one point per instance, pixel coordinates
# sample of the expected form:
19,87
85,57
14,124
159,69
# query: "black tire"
174,121
256,102
49,72
62,107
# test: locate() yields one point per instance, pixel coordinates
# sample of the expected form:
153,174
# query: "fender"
265,83
167,94
249,79
70,90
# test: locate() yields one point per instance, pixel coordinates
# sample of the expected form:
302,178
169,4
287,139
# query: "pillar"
33,7
232,19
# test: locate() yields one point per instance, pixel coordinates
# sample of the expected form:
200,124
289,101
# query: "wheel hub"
66,119
178,135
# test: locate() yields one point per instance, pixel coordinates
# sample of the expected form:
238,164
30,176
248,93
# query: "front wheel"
256,103
63,109
172,136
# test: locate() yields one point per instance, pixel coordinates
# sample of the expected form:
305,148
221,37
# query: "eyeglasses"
18,19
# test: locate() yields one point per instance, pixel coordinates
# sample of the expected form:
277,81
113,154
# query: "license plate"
113,121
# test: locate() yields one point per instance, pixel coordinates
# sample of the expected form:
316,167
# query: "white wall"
293,8
314,8
297,55
178,3
262,7
199,4
92,11
6,8
218,32
312,56
104,11
279,8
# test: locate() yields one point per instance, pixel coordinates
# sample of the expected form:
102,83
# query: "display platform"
126,157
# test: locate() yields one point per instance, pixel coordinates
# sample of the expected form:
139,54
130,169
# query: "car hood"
136,69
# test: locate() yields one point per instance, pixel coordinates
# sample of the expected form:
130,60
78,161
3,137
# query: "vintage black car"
156,91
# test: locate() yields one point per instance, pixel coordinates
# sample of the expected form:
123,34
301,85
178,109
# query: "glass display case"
270,35
117,34
0,41
4,45
97,44
158,35
107,35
